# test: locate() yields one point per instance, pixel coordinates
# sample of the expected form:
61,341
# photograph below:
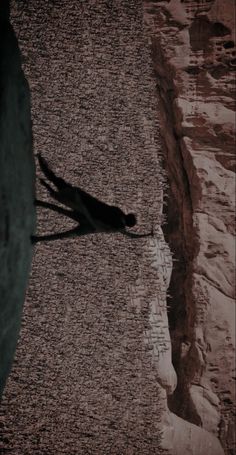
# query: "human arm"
134,235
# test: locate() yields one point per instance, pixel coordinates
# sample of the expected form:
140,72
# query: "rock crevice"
181,235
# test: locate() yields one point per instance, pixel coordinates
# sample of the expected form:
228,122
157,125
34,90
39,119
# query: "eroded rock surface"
194,56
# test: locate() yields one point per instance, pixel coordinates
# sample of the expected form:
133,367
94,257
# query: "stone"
181,437
193,49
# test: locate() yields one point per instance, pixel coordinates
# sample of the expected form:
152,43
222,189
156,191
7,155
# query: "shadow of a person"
91,214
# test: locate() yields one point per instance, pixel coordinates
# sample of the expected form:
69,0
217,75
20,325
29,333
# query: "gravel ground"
83,381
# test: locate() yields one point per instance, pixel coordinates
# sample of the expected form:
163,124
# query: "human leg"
72,233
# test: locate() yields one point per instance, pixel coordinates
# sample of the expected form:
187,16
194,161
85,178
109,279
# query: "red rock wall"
194,57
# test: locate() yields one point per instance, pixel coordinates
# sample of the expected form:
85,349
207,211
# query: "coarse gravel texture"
84,379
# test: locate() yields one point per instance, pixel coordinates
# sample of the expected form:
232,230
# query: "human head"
130,220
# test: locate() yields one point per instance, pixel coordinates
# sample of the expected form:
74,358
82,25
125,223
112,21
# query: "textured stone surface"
194,57
95,331
16,192
181,437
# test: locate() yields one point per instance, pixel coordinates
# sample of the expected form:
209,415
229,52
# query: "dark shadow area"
17,213
202,30
93,215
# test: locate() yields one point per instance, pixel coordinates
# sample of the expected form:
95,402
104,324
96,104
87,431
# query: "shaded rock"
17,214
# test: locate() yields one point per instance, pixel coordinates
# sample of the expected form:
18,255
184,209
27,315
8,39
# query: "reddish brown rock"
194,57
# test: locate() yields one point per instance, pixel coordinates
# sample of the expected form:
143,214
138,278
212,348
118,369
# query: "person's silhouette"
91,214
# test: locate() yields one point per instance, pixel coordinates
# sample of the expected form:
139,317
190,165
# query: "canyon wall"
125,96
193,49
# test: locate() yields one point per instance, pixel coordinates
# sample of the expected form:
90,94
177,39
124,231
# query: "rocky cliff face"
194,58
95,371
